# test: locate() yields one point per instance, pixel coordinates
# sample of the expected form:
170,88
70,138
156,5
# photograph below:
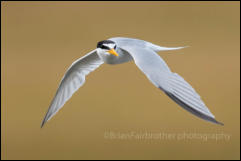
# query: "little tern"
120,50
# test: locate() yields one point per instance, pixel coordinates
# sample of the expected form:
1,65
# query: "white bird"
120,50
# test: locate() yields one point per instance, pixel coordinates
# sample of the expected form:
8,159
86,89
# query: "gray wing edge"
190,109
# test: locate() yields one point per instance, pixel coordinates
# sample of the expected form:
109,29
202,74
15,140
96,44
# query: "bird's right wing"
72,80
130,41
157,71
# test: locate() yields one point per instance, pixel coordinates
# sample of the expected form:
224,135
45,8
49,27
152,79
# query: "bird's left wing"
157,71
72,80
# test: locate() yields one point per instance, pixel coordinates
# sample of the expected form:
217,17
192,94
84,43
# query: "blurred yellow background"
41,39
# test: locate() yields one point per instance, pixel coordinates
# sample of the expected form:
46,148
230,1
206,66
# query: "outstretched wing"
122,41
72,80
157,71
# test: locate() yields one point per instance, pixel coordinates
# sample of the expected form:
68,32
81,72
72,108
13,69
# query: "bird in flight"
120,50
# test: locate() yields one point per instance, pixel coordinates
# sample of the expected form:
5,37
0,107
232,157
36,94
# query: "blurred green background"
41,39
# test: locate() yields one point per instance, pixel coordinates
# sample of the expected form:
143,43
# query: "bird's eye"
115,47
104,47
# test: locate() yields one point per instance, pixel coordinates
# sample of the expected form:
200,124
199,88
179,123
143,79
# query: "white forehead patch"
111,46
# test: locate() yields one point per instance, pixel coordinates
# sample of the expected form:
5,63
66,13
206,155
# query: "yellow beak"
113,52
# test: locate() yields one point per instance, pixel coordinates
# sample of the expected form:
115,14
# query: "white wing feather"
141,43
157,71
72,80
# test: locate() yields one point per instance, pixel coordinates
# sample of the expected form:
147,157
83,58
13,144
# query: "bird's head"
107,46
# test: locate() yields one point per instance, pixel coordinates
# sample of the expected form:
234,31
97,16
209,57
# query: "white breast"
112,59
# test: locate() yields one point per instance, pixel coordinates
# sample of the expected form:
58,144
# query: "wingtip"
43,123
213,120
183,47
219,123
191,110
160,48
